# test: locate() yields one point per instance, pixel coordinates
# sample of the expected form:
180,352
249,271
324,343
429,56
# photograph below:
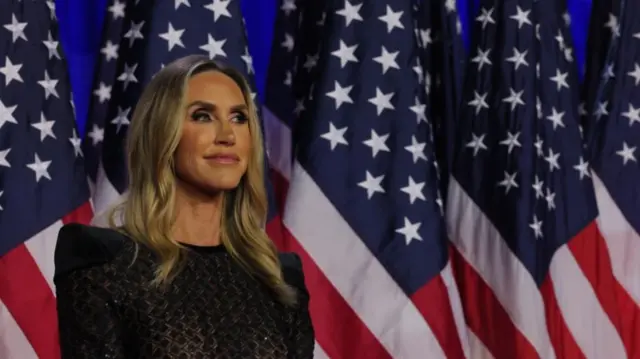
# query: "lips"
224,158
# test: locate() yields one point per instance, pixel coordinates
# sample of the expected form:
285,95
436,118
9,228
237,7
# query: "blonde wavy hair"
147,215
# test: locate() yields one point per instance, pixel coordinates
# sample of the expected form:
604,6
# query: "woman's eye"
200,116
240,118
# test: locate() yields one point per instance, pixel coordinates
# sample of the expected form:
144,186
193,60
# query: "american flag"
139,38
349,128
614,137
534,271
42,177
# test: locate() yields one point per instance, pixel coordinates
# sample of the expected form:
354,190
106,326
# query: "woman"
190,272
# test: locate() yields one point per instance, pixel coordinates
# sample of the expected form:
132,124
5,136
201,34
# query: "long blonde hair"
148,214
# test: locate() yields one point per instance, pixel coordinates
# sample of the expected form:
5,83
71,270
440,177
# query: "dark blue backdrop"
81,22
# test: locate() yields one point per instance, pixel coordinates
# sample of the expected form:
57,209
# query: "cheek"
244,142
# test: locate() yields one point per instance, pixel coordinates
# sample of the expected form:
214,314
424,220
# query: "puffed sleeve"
301,333
88,320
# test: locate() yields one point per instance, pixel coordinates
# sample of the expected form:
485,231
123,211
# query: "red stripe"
432,300
590,251
562,341
25,292
486,317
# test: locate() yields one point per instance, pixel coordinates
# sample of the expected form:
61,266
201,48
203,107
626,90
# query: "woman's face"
215,146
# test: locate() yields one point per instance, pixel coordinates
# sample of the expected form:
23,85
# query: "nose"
225,135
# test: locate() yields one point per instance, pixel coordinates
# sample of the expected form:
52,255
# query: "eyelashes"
204,116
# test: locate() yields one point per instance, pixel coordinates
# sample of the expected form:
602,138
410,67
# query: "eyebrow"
211,106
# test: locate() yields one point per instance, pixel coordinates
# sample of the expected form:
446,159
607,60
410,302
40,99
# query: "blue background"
81,25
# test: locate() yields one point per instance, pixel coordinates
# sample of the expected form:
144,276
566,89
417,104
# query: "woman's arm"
301,333
88,322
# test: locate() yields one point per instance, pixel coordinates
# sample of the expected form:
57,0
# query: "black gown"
107,307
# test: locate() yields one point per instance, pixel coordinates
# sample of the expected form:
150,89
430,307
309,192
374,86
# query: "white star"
219,8
182,2
552,159
45,127
633,114
103,92
477,143
335,136
425,38
117,9
311,62
40,167
627,153
479,101
52,9
248,60
173,37
537,186
49,85
608,73
214,47
508,182
299,107
416,149
536,226
556,118
635,73
122,118
345,53
602,109
420,110
519,58
3,158
6,114
538,145
110,51
515,98
482,58
134,32
382,101
583,168
450,6
414,190
372,184
288,78
76,142
11,71
350,12
340,94
387,60
1,193
511,141
377,143
96,134
410,231
16,28
288,6
560,79
522,17
52,46
485,18
392,19
613,25
128,75
550,198
288,43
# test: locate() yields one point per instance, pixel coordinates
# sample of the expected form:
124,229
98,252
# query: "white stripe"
355,273
13,342
42,247
456,307
622,241
318,352
105,196
278,143
479,350
482,246
591,328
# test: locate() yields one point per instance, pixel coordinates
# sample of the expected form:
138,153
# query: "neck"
198,217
